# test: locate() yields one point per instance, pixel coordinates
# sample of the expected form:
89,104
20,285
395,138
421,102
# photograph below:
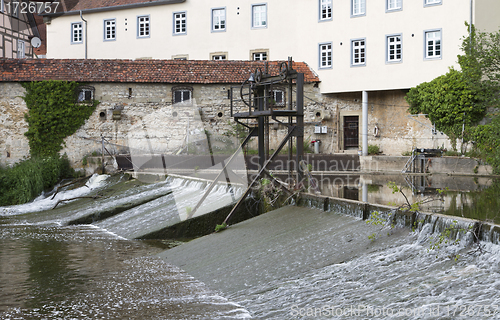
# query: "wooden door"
351,131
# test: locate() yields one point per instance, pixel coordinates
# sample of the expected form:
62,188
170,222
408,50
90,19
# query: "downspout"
81,17
470,17
364,116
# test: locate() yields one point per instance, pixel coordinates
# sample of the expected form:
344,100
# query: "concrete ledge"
362,210
204,224
448,165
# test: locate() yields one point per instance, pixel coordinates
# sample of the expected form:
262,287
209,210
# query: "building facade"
380,48
17,28
145,106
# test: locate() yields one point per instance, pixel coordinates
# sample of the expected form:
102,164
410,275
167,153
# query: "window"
143,27
325,12
358,7
180,57
20,49
219,19
181,94
325,55
1,6
219,57
85,94
180,23
433,44
259,56
259,16
431,2
394,48
76,32
394,5
110,29
278,96
358,48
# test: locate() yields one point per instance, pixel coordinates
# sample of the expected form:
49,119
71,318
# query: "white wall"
293,30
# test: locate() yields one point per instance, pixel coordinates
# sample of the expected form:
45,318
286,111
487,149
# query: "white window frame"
325,10
282,92
358,47
395,43
180,18
393,5
183,90
259,17
21,49
325,55
109,25
144,21
430,3
434,50
1,6
259,56
358,8
76,28
219,21
218,56
180,57
82,94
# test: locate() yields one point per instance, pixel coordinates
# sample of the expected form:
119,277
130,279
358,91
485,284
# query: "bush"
29,178
372,149
451,153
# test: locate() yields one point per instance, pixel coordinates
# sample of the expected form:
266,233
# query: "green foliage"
53,114
487,139
445,238
376,219
451,153
480,64
373,149
220,227
27,179
449,102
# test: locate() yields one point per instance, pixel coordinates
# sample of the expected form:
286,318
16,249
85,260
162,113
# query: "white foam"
46,202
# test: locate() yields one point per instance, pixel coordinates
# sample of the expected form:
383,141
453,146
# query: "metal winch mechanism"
254,104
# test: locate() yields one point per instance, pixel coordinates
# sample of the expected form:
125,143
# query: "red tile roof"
74,6
152,71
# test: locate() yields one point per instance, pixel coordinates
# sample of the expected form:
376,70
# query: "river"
288,264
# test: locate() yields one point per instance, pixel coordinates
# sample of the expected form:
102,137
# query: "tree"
449,102
481,68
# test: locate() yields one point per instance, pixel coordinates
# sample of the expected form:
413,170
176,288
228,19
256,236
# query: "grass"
29,178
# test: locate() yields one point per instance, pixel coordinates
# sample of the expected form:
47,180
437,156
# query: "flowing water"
51,270
301,265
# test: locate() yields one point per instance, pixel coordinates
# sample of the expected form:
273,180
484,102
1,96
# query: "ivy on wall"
53,114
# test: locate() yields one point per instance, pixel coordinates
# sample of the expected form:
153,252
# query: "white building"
380,47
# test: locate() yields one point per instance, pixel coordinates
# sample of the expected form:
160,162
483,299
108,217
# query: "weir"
132,209
294,261
287,263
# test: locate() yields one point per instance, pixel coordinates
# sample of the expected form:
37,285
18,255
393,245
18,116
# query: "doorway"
351,132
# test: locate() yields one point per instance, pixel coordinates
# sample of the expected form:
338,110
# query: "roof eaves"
114,8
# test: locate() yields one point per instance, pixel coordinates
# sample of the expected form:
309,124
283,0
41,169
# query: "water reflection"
467,196
83,272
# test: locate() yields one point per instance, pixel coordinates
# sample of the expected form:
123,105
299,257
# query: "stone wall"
140,119
13,143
